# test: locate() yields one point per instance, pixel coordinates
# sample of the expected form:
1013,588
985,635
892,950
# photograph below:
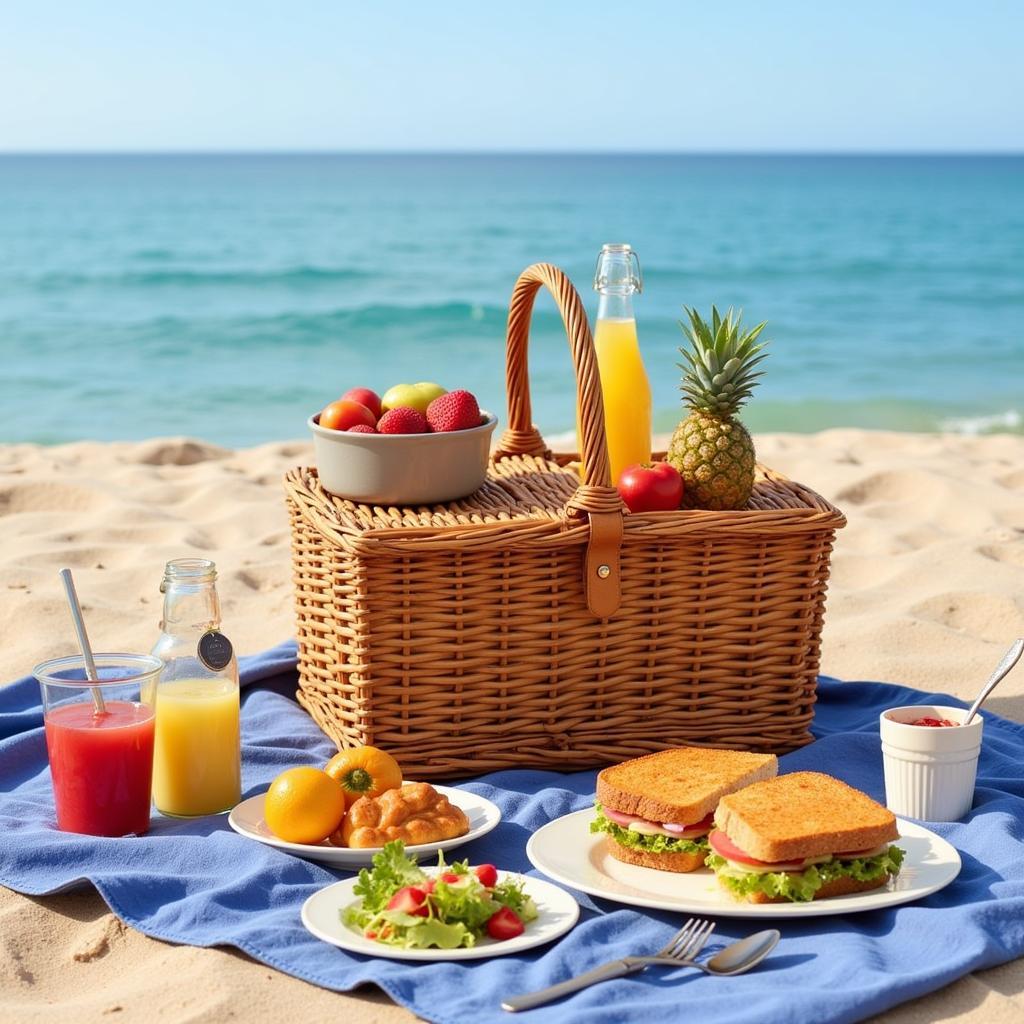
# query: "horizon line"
517,152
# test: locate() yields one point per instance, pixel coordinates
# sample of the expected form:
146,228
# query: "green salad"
401,905
800,886
652,844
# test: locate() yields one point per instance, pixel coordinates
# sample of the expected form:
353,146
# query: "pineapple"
712,450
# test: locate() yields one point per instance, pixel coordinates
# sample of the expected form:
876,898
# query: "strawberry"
488,875
504,924
402,420
361,428
458,410
410,900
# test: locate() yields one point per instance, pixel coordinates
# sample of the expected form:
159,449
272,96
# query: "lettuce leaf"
509,893
429,933
651,844
392,869
800,887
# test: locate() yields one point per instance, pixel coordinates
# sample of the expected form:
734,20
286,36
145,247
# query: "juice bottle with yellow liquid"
624,385
197,753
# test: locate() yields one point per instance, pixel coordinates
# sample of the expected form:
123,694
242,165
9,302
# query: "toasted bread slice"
681,863
682,785
837,887
804,814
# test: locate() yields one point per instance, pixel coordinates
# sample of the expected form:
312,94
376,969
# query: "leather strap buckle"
602,581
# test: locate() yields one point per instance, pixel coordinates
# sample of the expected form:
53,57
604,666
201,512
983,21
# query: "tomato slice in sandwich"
725,847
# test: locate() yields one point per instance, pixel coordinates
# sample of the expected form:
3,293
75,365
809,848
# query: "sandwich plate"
567,851
247,820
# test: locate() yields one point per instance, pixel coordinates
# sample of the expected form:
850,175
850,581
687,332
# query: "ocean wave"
154,254
383,315
1011,421
299,275
389,326
812,265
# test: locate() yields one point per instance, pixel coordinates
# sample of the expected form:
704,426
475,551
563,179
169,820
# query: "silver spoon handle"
615,969
1010,659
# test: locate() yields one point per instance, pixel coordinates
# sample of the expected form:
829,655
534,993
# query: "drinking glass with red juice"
101,762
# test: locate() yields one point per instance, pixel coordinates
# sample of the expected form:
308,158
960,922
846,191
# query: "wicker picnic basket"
538,624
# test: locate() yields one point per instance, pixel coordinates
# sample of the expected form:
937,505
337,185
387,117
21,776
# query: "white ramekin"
929,770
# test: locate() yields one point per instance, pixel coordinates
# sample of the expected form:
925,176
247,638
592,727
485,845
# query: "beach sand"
927,589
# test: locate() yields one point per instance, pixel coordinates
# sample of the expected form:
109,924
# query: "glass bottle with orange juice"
197,753
624,384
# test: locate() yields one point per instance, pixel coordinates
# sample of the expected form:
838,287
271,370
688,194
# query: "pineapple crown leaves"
718,372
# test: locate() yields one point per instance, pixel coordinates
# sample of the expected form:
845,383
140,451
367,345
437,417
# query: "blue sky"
595,75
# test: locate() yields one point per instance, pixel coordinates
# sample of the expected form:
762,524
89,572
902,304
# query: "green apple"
398,396
429,391
411,396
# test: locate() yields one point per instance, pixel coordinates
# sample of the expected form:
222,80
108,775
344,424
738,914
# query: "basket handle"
595,498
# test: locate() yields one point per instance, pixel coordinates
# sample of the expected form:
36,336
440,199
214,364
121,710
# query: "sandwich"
800,837
657,810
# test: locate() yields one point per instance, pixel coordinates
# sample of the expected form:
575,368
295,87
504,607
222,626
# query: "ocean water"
227,297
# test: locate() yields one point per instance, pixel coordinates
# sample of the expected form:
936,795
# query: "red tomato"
364,396
725,847
505,924
651,487
410,900
488,875
344,413
450,877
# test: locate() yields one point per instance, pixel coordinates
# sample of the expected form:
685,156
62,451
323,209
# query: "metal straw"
83,640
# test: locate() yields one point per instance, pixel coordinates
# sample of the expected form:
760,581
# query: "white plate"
247,820
566,850
557,912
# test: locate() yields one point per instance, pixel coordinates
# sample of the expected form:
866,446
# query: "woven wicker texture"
462,639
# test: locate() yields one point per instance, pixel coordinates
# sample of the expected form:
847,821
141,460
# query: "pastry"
415,813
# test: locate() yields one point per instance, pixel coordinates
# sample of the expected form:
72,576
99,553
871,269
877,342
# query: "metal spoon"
1010,659
735,959
742,955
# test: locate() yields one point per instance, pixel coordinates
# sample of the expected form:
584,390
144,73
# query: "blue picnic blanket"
210,886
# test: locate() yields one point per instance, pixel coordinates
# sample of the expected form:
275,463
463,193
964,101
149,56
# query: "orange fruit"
364,771
304,805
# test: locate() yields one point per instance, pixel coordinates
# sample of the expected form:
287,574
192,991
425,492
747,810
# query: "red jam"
934,722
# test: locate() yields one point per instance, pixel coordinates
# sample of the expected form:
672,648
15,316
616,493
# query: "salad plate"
323,913
247,820
567,851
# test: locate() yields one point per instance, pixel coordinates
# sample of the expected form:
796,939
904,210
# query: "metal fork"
682,947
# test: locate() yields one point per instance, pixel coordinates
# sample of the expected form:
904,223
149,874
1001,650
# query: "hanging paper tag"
215,650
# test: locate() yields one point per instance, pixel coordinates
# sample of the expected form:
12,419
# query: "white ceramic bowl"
403,469
929,770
